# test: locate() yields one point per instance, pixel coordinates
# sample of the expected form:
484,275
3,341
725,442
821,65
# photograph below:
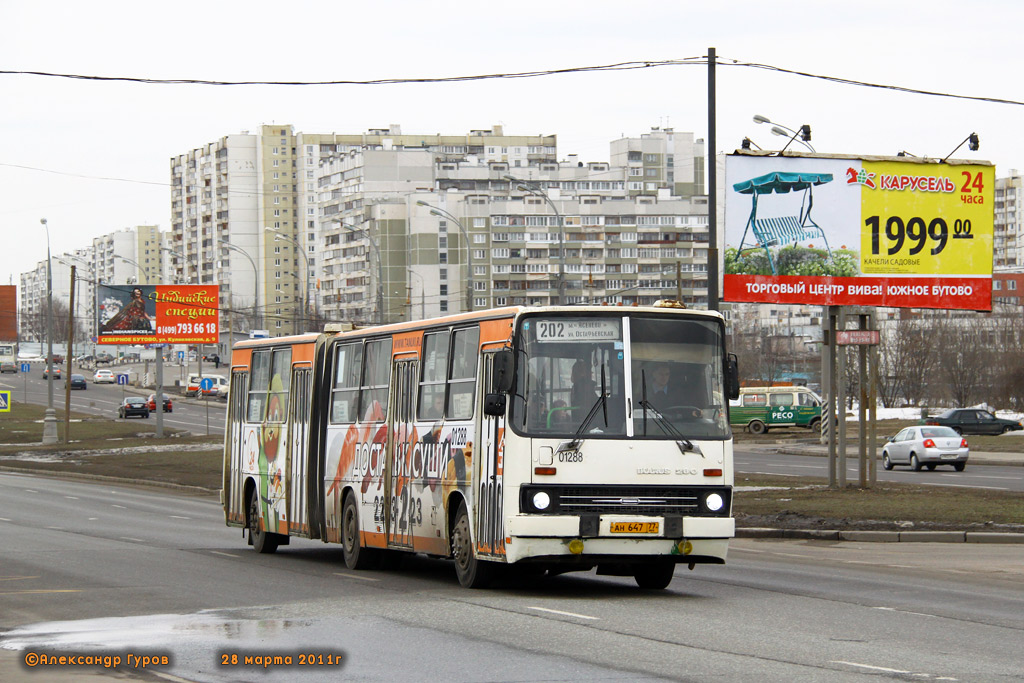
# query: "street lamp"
50,416
423,295
279,237
380,267
437,211
134,263
256,282
180,255
536,192
804,132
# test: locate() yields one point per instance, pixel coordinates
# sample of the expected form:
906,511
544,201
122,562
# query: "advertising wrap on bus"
859,231
558,439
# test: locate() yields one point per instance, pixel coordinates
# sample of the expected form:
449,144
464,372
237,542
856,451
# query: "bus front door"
490,527
399,502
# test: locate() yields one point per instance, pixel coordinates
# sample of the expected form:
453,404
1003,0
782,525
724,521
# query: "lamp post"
437,211
50,416
141,270
536,192
380,267
803,135
180,255
256,282
423,296
279,237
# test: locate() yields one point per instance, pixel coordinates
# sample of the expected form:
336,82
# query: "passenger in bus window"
584,389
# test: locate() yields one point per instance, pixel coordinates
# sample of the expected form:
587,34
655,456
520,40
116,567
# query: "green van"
760,408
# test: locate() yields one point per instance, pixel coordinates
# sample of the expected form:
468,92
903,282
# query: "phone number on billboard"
188,328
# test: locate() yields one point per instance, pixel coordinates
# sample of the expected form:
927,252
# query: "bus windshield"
640,375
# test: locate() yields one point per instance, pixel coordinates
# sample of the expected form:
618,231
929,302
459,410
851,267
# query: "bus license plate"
634,527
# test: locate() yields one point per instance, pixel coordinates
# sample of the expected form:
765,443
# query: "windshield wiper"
684,444
601,402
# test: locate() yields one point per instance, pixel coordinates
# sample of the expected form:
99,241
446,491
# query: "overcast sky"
65,140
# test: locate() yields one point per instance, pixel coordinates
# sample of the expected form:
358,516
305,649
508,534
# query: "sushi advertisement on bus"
869,231
157,314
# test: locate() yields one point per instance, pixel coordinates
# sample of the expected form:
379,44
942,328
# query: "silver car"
926,446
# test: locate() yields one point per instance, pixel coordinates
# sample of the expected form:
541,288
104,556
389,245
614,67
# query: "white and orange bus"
529,437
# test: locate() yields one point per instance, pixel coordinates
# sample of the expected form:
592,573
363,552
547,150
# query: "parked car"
46,371
133,405
151,403
926,446
57,359
102,358
103,377
77,381
8,367
192,387
974,421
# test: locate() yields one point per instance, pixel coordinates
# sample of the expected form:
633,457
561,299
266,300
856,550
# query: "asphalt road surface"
765,461
103,399
92,569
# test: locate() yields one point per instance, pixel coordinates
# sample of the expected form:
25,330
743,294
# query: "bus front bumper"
683,539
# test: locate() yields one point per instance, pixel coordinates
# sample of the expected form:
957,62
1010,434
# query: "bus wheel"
472,572
262,541
757,427
655,576
356,556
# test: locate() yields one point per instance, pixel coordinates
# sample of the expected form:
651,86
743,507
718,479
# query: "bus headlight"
541,500
714,502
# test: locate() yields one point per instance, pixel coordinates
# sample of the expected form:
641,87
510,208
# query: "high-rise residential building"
246,211
661,159
1008,237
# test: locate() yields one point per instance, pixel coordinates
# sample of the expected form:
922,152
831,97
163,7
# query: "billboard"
157,314
8,312
869,231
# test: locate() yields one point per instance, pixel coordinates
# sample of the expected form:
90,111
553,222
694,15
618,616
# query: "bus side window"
280,384
258,383
348,370
432,379
462,378
373,398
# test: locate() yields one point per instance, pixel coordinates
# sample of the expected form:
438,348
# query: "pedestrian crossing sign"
5,401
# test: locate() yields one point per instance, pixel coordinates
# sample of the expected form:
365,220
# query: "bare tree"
964,357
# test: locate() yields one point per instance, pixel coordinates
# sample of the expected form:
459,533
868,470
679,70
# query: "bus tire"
655,576
262,541
356,556
757,427
472,572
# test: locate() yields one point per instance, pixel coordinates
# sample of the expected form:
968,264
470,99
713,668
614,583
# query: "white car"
103,377
926,446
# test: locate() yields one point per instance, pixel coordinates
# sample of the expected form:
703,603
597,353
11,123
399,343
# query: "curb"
882,536
110,480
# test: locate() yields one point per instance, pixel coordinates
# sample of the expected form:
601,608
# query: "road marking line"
4,519
30,491
355,576
566,614
874,668
179,517
71,497
118,506
217,552
129,538
92,519
16,578
41,590
904,611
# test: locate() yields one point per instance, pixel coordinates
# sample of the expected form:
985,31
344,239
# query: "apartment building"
659,160
246,211
1008,240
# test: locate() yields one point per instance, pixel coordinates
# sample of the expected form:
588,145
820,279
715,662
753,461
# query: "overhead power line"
618,66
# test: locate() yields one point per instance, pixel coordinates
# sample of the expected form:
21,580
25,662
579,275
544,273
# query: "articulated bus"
529,437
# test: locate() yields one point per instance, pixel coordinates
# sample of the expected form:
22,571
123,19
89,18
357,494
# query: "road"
766,461
143,571
103,399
